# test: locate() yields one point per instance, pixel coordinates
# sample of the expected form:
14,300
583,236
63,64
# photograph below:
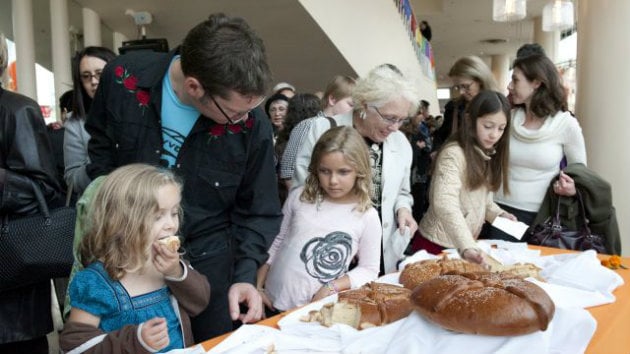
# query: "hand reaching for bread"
474,255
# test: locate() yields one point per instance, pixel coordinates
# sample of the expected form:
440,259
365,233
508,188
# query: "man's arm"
101,145
256,213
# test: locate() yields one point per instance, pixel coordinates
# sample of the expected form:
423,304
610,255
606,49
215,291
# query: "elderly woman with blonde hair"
383,101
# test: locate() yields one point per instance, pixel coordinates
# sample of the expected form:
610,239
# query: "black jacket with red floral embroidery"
228,171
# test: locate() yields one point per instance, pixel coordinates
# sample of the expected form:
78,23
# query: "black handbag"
36,247
551,233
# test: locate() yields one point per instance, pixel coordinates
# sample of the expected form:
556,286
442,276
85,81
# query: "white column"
501,70
24,47
91,28
602,91
119,38
550,41
60,42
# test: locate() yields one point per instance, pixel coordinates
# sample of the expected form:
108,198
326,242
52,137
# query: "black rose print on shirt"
326,258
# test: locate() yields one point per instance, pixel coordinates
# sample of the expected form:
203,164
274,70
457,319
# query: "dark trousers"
419,193
37,345
212,256
492,233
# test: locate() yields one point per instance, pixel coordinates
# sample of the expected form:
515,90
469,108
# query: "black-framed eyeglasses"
390,121
238,116
87,76
464,87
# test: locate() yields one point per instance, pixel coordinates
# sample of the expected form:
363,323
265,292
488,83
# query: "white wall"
370,33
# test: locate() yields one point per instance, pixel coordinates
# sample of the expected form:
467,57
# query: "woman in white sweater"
542,133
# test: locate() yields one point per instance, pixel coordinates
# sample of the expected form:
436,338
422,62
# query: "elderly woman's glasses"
392,120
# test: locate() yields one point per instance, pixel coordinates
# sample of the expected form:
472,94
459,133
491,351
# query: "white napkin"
396,245
569,332
197,349
582,271
247,339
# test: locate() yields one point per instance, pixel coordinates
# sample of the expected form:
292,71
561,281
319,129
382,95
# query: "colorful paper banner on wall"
421,45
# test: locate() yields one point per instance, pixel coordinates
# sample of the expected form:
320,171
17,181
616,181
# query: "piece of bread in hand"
172,242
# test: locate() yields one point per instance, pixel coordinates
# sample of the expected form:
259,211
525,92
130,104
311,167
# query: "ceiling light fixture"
508,10
557,15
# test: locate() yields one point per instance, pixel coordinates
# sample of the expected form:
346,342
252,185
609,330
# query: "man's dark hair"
530,49
424,103
225,54
65,100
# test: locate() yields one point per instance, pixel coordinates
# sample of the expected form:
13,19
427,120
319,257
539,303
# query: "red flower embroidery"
235,128
143,97
130,83
249,122
217,130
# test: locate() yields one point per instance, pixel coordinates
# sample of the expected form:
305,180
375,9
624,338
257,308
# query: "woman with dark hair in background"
87,66
301,106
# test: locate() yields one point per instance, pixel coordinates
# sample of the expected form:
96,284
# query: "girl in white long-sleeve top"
326,224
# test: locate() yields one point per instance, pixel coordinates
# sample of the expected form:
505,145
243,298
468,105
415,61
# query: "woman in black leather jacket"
25,156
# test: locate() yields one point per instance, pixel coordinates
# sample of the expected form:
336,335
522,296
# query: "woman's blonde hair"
474,68
349,142
122,215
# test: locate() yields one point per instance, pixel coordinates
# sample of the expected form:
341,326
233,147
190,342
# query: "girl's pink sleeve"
287,211
369,252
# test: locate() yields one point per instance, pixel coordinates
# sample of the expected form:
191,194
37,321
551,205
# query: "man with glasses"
195,110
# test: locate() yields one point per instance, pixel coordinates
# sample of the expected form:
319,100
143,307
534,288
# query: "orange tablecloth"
613,320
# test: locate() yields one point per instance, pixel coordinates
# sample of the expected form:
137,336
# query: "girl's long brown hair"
494,172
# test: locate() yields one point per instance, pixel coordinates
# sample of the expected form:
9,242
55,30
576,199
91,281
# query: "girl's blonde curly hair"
350,143
121,217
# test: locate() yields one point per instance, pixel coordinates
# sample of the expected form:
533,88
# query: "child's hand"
323,292
474,256
155,333
166,261
509,216
266,301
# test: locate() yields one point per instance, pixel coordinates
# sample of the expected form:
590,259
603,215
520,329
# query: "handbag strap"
556,218
39,195
69,193
43,208
582,210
